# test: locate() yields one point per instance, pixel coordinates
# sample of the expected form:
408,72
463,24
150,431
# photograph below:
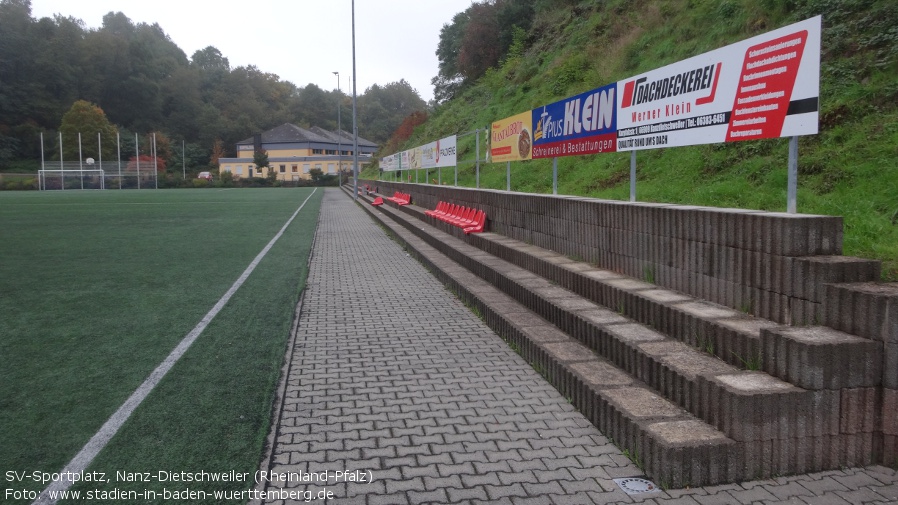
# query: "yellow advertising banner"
511,139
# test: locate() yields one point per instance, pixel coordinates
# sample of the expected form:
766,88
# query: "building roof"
290,133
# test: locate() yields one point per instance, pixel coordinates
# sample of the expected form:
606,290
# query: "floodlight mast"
339,135
355,129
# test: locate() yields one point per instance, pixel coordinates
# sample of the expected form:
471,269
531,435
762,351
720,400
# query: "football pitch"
96,290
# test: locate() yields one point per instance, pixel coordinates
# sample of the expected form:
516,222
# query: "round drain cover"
636,485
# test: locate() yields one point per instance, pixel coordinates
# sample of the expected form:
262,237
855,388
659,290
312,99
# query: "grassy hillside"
849,169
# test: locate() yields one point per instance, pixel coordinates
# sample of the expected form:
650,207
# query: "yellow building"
293,152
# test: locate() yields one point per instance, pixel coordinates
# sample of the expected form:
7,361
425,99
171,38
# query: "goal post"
62,179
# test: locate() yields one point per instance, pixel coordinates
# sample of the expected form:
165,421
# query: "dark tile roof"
290,133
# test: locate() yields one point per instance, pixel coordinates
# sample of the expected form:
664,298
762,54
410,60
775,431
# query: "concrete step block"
682,453
676,375
865,309
770,458
860,410
812,272
752,406
736,340
890,450
818,357
890,412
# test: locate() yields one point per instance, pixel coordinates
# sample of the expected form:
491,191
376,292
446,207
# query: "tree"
260,159
88,120
404,131
480,43
163,148
449,79
383,108
217,153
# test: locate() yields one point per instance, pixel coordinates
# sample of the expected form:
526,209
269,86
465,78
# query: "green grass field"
96,288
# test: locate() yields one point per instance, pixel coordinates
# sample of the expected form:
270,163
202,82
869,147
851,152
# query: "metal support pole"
61,166
339,136
456,175
100,155
155,163
477,166
633,176
792,197
355,131
183,162
118,145
80,162
137,157
507,176
41,178
440,176
555,176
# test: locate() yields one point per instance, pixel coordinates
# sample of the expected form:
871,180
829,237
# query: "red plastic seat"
480,222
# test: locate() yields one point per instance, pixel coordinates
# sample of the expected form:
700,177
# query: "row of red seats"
401,198
470,220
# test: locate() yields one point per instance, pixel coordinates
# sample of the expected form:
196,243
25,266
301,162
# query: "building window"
283,168
227,168
305,168
330,168
331,151
295,168
317,151
318,166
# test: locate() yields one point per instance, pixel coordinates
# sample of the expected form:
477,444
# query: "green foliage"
752,363
144,82
88,120
648,273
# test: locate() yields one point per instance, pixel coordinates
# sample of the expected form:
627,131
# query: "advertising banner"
582,124
511,138
445,152
414,158
764,87
428,155
388,163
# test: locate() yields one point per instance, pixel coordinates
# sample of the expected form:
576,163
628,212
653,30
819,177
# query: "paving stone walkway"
397,393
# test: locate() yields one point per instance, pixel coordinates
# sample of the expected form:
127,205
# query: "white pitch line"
96,444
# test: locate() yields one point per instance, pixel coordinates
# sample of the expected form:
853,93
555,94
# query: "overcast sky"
302,41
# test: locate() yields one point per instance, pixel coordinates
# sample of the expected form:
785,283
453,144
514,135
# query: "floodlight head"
89,161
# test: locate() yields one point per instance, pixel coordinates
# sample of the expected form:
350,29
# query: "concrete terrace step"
766,417
673,446
733,336
675,369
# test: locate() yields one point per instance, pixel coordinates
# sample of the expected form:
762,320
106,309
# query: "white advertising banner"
764,87
428,155
438,154
388,163
445,152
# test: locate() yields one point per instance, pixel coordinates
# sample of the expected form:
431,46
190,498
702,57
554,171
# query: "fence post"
792,197
508,176
633,175
477,158
555,176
